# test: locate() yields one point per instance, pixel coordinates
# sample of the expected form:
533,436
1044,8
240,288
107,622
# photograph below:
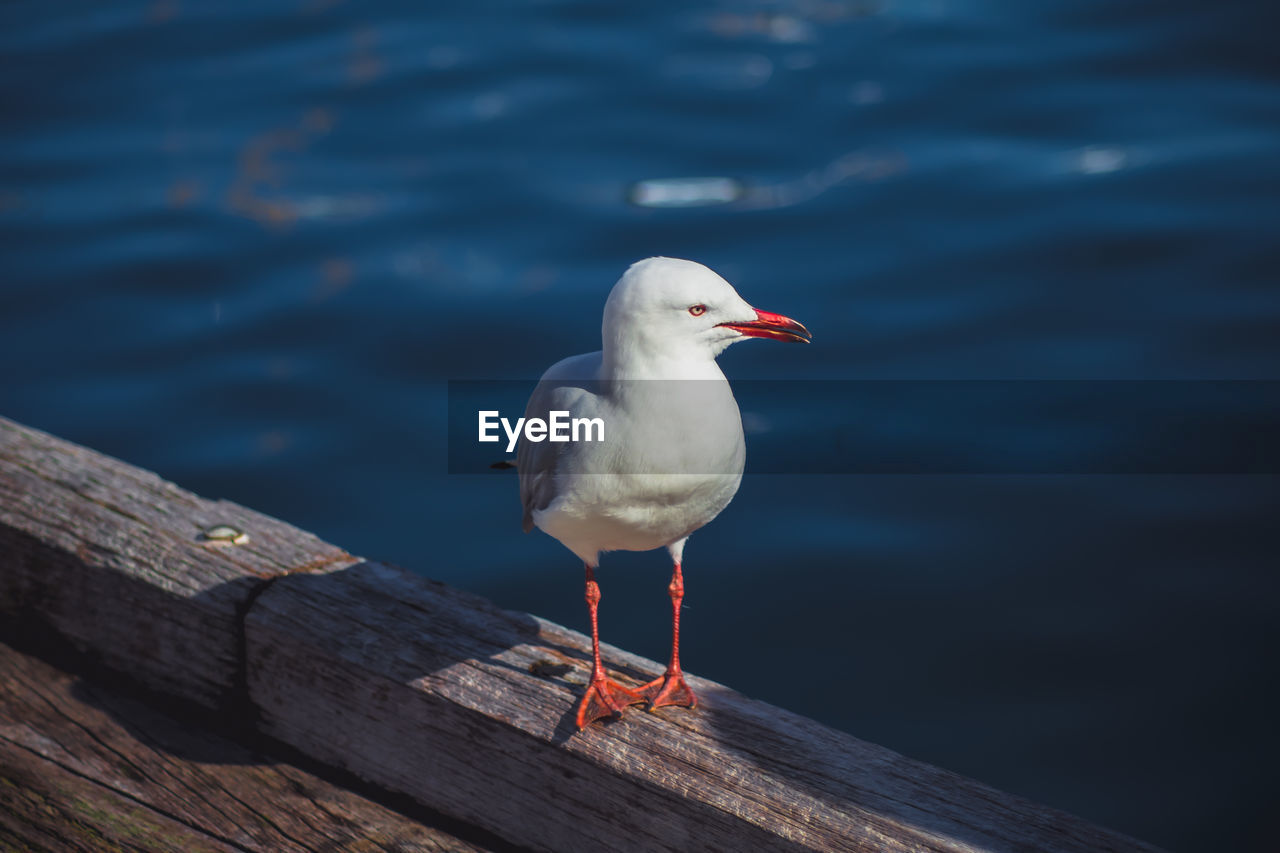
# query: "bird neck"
622,359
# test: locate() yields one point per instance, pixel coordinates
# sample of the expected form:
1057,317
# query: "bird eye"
697,310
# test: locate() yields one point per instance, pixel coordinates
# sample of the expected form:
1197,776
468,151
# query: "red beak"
773,326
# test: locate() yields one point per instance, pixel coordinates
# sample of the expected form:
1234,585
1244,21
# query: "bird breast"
664,470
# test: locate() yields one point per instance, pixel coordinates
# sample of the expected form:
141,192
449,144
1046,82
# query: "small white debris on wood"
224,534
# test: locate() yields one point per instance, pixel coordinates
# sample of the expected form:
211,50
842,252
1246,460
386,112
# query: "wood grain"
438,694
83,765
111,557
444,696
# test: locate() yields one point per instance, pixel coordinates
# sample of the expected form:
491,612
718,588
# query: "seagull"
674,450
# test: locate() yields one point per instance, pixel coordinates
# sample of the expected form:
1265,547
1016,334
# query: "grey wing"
537,462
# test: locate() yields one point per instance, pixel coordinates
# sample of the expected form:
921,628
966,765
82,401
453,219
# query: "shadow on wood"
86,766
436,692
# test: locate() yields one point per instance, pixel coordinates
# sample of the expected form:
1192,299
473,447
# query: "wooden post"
440,695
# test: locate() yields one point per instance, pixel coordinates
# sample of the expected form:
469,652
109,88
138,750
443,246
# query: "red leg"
671,689
604,697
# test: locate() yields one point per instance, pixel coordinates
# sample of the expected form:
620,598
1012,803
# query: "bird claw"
669,689
605,698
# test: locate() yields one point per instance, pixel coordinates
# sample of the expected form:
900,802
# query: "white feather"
674,453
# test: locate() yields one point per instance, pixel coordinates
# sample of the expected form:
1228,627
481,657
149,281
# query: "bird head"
671,307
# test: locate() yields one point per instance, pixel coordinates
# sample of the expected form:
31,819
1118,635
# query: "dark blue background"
246,244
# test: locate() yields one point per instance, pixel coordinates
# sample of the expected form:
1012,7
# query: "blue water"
246,244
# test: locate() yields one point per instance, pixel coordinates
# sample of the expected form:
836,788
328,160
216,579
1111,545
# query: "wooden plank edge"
437,693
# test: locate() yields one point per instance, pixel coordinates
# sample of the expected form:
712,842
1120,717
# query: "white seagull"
673,454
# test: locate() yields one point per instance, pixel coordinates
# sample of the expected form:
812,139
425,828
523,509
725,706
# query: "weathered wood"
438,694
44,807
111,557
83,766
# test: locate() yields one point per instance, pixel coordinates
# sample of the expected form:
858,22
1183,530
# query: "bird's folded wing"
538,462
